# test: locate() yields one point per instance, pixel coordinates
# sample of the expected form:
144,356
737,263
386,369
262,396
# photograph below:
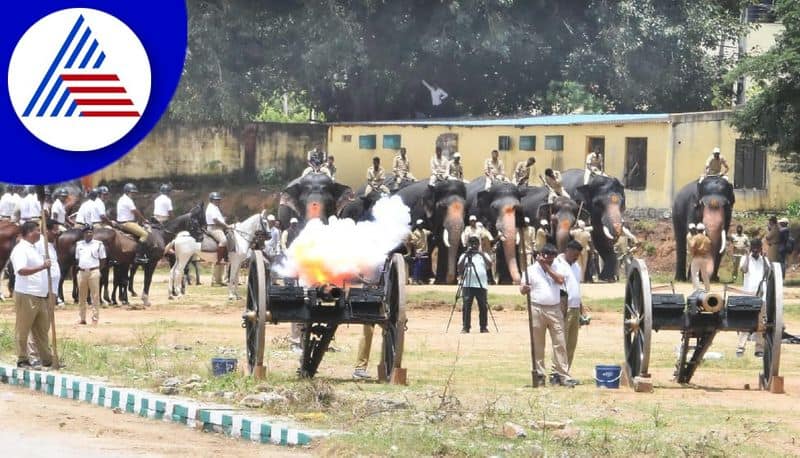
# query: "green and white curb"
194,414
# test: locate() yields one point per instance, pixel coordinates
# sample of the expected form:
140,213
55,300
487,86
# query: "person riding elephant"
604,198
442,206
711,203
401,168
312,196
500,210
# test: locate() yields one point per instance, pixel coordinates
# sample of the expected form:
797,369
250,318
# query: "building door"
635,176
249,143
449,144
596,142
750,167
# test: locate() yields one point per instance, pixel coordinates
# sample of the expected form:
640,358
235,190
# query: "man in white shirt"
473,265
440,168
86,211
573,306
30,296
273,245
16,200
216,227
7,204
543,282
128,217
90,255
30,209
57,210
100,215
755,267
162,206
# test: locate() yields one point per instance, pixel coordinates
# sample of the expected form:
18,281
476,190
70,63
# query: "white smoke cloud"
343,250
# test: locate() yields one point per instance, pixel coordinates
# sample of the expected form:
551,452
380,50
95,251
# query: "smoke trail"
343,250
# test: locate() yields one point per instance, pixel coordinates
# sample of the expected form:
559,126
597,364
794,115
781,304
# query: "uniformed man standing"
162,206
331,168
494,170
288,235
773,238
128,217
375,178
542,235
419,244
273,245
741,246
91,257
440,168
702,261
594,165
583,235
755,268
401,168
552,180
572,305
716,165
30,209
529,241
57,210
522,172
456,169
100,205
7,204
216,226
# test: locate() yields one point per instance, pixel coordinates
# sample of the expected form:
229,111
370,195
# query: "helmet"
700,227
270,218
104,189
92,194
293,221
692,226
215,196
29,189
61,192
164,188
130,187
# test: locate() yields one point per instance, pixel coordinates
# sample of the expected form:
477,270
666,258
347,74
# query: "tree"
772,113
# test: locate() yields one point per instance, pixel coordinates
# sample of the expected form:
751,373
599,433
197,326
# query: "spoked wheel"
772,327
638,320
395,328
255,315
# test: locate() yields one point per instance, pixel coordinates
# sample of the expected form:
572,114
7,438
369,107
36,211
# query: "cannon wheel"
394,330
638,320
257,303
773,326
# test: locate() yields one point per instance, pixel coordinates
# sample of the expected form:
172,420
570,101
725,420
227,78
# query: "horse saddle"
209,244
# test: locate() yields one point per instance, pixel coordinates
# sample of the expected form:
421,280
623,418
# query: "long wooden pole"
51,300
534,377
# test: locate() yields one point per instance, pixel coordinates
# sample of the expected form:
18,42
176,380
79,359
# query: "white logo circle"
79,79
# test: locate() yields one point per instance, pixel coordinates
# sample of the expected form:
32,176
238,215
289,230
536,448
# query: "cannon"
699,317
320,310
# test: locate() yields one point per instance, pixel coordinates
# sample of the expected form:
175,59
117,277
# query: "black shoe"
567,382
465,331
555,379
24,365
484,331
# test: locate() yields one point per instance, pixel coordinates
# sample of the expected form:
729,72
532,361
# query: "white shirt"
58,212
16,200
755,273
273,245
213,214
6,205
89,254
99,208
544,290
55,271
572,281
29,207
125,208
162,206
25,255
85,213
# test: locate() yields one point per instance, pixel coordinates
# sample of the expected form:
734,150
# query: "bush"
794,208
269,177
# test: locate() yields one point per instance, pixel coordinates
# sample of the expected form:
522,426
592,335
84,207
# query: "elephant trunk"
453,227
315,209
563,225
714,221
612,222
507,227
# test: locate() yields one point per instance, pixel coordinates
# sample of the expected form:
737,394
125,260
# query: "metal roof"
544,120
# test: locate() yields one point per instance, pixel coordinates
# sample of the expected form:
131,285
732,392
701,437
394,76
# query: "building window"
347,138
504,143
527,142
366,141
636,163
391,141
554,142
750,169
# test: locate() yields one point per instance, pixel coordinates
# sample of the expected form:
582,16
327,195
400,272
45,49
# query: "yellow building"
654,154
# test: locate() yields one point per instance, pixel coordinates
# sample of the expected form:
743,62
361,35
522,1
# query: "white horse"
244,233
184,247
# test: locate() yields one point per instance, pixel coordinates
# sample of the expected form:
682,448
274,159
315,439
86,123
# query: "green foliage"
288,107
270,177
793,209
6,338
571,97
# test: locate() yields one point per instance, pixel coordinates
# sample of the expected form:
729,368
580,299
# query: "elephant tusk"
607,233
724,241
446,238
517,238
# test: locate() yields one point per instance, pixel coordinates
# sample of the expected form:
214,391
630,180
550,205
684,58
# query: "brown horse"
8,235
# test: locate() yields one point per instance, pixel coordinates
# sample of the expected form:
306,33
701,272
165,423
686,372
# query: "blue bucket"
607,376
222,366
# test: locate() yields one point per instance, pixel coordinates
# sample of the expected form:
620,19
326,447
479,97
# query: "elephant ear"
290,197
428,203
342,195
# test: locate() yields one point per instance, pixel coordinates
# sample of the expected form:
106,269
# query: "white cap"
473,218
456,155
784,220
716,150
419,221
692,226
701,227
293,220
527,220
270,217
581,224
543,222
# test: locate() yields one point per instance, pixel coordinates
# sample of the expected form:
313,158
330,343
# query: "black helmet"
215,196
61,192
92,194
164,188
130,187
105,190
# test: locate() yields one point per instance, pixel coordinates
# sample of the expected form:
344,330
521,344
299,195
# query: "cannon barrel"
329,293
707,302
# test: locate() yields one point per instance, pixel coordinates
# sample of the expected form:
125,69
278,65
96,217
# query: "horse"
245,234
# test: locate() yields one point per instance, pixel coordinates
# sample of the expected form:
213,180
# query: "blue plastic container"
222,366
607,376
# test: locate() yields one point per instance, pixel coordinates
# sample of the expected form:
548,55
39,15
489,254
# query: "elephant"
442,208
312,196
360,207
562,214
499,209
709,202
604,198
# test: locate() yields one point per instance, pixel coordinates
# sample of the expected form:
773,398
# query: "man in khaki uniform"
456,168
741,246
440,168
572,305
493,169
522,172
128,217
401,168
90,256
716,165
552,179
375,178
594,165
772,238
582,235
364,347
542,234
702,262
528,240
419,245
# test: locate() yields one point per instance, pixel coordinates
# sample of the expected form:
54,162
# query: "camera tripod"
470,269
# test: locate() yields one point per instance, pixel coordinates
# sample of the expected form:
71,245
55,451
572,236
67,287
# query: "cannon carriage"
699,317
320,310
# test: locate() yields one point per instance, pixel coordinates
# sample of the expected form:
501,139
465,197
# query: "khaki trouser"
743,336
702,265
549,318
218,235
737,258
132,227
364,347
32,318
89,282
571,328
583,260
382,188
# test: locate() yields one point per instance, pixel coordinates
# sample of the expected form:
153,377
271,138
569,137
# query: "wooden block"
381,373
623,377
260,372
776,385
399,376
642,384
